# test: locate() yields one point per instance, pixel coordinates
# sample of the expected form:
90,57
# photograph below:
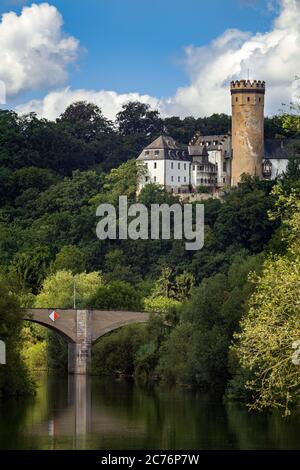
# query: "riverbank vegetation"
224,318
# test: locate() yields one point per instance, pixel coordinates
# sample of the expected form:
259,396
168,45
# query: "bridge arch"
105,321
81,328
65,326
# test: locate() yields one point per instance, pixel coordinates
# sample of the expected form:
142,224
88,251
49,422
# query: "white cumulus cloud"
110,102
273,56
34,51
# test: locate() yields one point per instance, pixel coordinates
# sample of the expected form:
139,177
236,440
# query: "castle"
211,162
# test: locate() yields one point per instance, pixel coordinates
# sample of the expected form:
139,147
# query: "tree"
116,295
48,145
243,218
205,325
138,118
269,331
164,285
85,121
273,127
137,126
14,378
183,285
12,141
121,181
291,118
29,267
160,304
268,345
116,268
114,354
173,361
70,258
155,194
293,169
58,289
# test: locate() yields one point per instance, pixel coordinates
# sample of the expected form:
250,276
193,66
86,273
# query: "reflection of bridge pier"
79,400
81,328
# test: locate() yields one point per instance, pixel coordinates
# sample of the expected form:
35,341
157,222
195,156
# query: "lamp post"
2,353
74,292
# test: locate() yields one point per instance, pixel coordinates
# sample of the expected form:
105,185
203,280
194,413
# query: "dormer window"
156,152
147,152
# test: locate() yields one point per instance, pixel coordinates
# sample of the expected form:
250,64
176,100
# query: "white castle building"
204,162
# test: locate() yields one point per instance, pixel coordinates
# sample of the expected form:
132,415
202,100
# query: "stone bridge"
81,328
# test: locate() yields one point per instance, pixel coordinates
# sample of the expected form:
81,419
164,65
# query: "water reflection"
84,413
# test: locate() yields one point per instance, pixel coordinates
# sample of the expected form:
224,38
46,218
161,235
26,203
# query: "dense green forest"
53,175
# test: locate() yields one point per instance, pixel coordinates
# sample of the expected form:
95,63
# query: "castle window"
155,165
224,167
178,166
156,152
236,99
194,167
172,178
248,99
201,168
201,180
184,179
224,180
184,166
259,99
155,179
172,166
147,152
147,178
178,178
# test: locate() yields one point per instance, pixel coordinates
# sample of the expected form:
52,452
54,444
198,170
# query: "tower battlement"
238,86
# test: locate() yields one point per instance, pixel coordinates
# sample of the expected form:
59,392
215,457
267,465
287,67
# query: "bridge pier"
79,353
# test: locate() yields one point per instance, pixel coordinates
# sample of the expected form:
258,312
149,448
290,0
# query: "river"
91,413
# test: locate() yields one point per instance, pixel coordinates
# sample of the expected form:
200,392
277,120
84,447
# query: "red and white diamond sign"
54,316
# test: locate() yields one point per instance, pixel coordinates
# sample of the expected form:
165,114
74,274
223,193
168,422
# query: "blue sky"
131,46
138,44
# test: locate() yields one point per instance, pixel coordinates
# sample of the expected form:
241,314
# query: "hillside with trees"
209,307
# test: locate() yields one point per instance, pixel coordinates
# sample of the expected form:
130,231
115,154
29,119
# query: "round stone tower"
248,99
